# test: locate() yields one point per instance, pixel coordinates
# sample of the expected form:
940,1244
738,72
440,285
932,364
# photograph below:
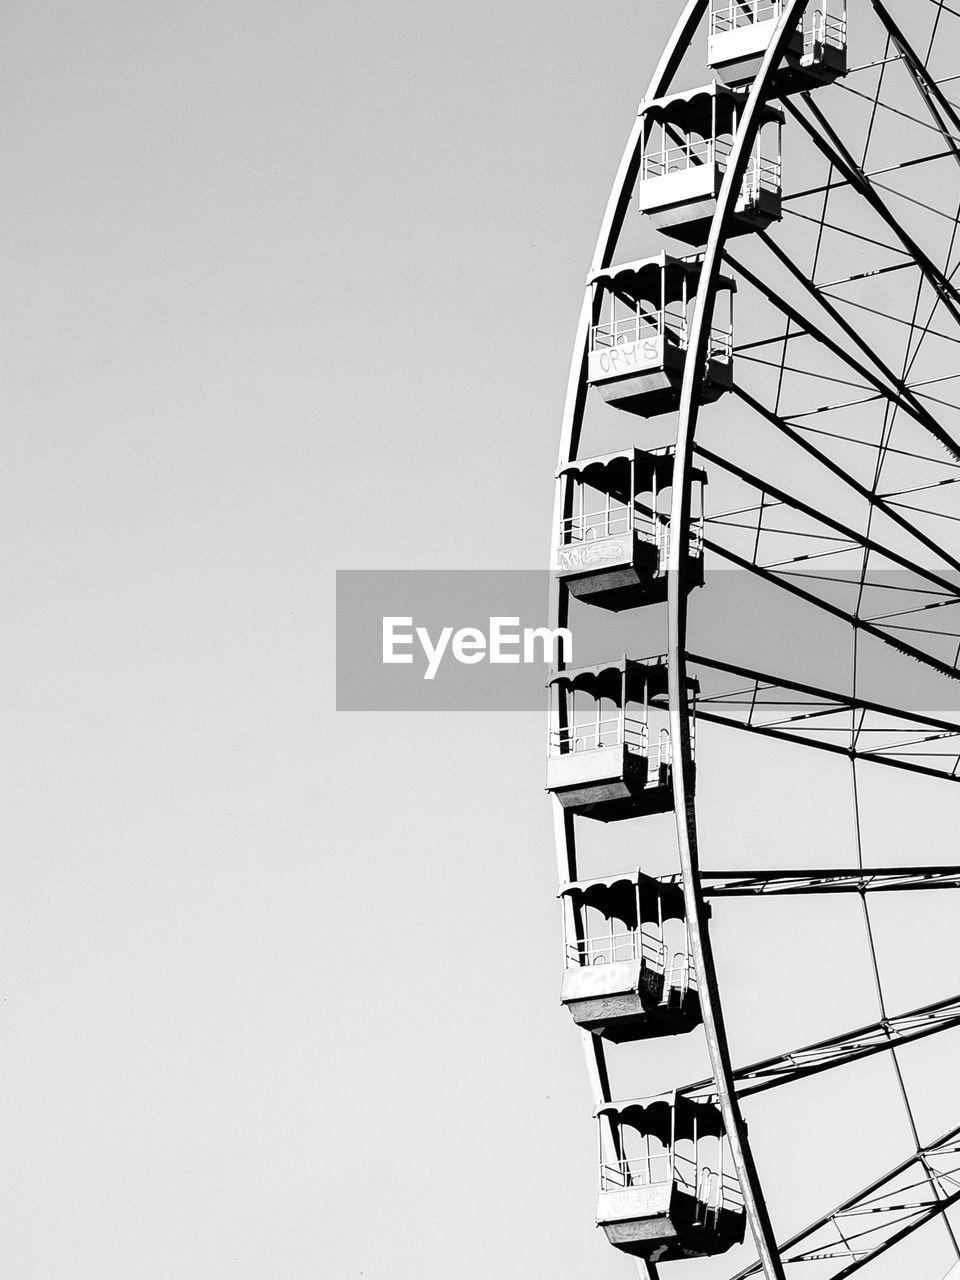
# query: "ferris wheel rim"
690,404
755,1205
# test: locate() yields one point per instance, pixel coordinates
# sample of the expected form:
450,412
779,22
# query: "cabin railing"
695,545
643,326
636,1171
761,174
819,25
712,1190
609,731
827,29
615,948
588,526
727,15
623,945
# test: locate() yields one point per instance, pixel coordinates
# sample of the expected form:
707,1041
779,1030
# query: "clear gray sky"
288,287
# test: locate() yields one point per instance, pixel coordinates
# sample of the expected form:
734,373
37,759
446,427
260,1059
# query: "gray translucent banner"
452,640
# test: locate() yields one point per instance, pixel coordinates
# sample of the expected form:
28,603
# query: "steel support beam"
919,411
827,703
914,1192
899,395
838,1051
768,884
828,142
937,103
879,503
780,735
842,701
868,628
842,530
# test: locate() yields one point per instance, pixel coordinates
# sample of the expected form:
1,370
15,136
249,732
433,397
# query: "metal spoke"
838,1051
866,1225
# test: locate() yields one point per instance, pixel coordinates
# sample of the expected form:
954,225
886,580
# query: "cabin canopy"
712,108
611,473
621,897
659,281
670,1117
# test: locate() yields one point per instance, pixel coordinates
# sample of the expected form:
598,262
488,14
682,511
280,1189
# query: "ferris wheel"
757,531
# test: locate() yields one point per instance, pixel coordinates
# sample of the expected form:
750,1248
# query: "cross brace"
869,1223
878,1037
801,705
728,884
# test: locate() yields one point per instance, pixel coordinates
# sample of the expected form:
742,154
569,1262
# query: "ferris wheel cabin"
638,347
741,31
687,143
614,539
665,1192
610,755
628,971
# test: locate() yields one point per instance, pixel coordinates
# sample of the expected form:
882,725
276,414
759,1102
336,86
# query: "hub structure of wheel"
754,738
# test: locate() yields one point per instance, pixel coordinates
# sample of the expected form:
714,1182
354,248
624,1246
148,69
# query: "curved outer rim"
574,405
684,808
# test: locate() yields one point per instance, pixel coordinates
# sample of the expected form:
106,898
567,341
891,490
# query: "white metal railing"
819,25
588,526
643,326
696,537
720,345
727,15
662,755
636,1171
596,525
638,327
680,977
608,731
686,155
617,731
615,947
695,544
827,29
713,1191
761,173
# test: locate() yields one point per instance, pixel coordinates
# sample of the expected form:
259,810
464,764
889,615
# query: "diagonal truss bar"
949,297
837,1051
873,173
861,489
766,884
903,389
891,762
827,704
803,322
937,102
844,531
899,394
840,700
835,611
882,1214
829,143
